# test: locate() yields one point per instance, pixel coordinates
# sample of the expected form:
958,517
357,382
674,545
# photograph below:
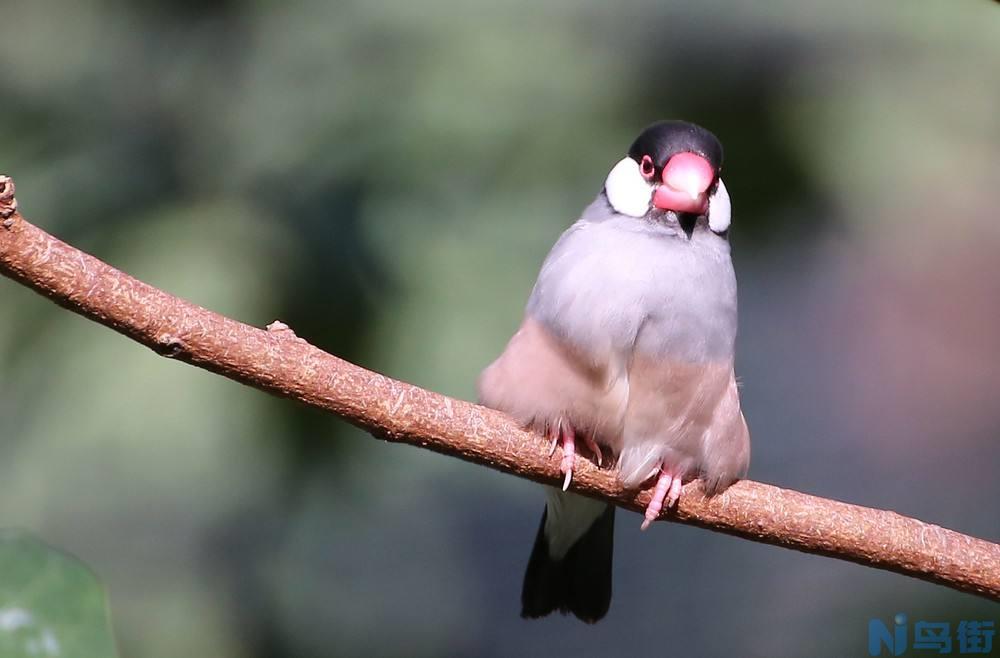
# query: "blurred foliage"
50,603
386,177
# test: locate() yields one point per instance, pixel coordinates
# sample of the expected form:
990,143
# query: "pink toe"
664,483
675,492
569,448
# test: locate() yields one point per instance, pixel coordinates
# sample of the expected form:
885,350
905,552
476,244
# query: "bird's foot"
666,494
562,432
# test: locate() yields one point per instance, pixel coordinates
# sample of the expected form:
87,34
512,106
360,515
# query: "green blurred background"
386,177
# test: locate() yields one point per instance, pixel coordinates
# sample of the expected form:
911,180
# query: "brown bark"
277,361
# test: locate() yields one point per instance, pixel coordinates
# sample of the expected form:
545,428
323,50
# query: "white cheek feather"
719,209
628,192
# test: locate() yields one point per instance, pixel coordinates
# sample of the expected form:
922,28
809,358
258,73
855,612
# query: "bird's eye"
646,167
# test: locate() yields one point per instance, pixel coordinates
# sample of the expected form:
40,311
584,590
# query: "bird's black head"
673,168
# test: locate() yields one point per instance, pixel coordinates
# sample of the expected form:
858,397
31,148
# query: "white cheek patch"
719,209
628,192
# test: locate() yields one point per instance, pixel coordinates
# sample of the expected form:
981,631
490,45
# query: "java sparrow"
627,345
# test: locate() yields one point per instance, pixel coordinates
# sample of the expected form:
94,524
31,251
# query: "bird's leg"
666,493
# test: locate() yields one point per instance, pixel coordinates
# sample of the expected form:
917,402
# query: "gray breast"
613,284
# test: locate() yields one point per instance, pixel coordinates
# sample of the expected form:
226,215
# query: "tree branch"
277,361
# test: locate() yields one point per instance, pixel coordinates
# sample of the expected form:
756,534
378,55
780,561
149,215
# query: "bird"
627,347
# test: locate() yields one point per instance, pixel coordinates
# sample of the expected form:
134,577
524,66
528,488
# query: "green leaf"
51,604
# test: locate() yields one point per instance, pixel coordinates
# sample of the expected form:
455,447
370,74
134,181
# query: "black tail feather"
580,582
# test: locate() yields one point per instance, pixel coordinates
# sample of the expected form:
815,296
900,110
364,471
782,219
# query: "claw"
594,448
553,433
569,453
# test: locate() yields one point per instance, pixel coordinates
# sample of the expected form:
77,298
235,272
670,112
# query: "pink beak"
686,179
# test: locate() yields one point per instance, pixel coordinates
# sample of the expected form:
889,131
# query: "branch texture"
277,361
